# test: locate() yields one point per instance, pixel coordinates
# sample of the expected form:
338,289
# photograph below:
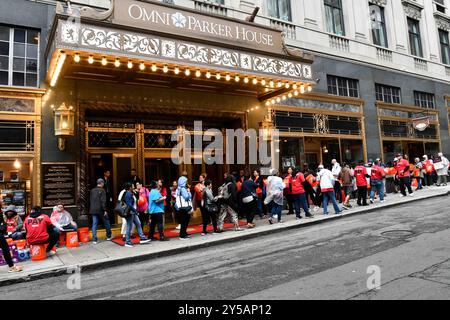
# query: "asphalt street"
409,245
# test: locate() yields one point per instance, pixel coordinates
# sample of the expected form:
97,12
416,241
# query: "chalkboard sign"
58,184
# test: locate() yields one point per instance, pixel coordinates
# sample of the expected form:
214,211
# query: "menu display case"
15,193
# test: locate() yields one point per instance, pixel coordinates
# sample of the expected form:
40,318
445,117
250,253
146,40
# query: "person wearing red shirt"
361,182
40,229
377,182
404,176
299,196
288,190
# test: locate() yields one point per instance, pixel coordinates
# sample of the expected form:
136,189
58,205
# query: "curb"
59,271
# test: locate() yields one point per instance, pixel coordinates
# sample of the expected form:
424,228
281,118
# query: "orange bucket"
62,239
9,241
83,235
72,239
37,252
21,244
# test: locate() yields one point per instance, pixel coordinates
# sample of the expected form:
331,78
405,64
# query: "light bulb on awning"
218,76
187,72
154,68
228,77
130,65
246,80
198,73
237,79
263,82
176,70
142,66
104,61
77,58
309,88
91,60
17,164
272,84
287,86
165,69
208,75
117,63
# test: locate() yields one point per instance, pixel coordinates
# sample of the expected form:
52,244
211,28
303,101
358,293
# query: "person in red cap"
404,175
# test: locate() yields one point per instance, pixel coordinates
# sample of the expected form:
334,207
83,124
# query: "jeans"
276,210
259,207
405,183
133,218
300,201
442,180
338,191
95,219
327,197
362,195
377,186
157,219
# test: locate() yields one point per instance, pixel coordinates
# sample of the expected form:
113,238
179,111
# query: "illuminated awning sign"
174,20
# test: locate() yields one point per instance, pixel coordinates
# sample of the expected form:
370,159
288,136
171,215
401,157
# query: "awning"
206,46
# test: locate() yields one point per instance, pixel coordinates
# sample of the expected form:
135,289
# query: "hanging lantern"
421,124
64,124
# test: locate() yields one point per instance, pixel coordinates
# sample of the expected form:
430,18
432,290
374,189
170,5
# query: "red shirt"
403,168
360,175
297,184
377,173
199,191
288,182
37,229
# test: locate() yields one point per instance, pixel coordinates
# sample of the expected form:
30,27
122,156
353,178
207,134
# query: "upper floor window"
424,100
378,23
440,6
445,46
415,41
334,17
345,87
280,9
388,94
19,61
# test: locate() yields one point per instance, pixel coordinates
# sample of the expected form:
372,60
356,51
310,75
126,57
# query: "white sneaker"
94,242
316,209
51,253
382,201
411,194
108,239
178,227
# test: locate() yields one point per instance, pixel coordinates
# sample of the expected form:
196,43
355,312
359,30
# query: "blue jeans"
133,218
95,220
300,201
377,186
276,210
327,197
259,207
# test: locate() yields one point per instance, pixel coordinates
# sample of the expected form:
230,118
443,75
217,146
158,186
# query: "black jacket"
97,201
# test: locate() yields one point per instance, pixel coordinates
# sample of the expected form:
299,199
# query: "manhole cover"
397,233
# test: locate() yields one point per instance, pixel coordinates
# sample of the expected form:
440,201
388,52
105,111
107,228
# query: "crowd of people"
241,195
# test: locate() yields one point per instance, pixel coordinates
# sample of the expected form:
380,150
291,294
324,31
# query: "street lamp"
64,124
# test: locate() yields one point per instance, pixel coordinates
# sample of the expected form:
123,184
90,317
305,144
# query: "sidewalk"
106,254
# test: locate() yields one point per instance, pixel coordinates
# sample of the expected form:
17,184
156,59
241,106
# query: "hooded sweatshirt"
182,190
36,225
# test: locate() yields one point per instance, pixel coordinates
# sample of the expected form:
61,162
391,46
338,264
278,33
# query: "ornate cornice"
442,21
412,9
381,3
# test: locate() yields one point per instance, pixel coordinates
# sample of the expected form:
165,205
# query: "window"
345,87
440,6
19,63
445,46
334,17
378,22
424,100
388,94
415,41
280,9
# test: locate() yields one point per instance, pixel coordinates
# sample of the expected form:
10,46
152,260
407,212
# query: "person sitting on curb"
14,224
40,230
62,220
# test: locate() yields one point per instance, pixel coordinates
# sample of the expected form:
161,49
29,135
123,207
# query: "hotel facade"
95,85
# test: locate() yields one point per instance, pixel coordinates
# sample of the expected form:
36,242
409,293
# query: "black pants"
428,180
157,219
362,195
251,210
338,191
405,183
207,218
185,217
53,238
144,218
5,249
290,202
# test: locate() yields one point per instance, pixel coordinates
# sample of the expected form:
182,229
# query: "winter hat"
10,208
99,181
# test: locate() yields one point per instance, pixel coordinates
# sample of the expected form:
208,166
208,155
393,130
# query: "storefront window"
352,151
292,153
390,149
15,185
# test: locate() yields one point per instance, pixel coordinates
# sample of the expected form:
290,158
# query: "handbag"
183,204
122,209
248,199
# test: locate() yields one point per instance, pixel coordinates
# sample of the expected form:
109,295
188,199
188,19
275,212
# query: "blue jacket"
129,200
